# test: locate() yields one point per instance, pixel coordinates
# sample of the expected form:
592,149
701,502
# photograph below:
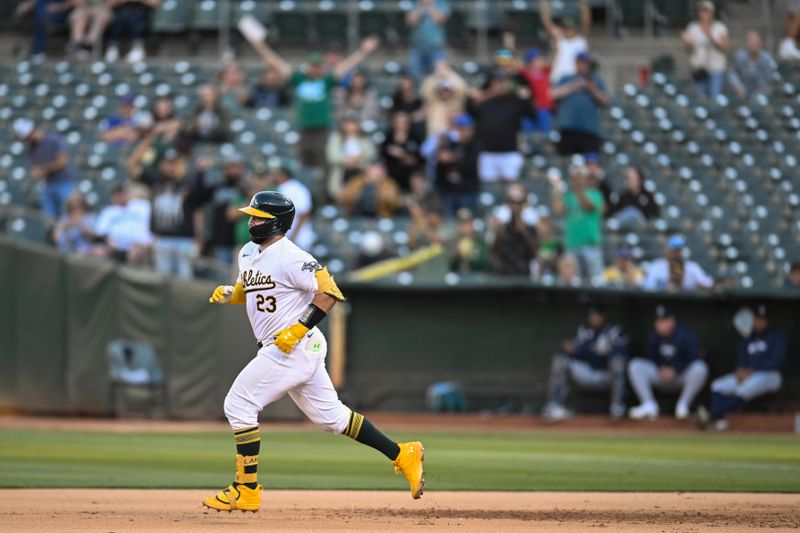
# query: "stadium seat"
330,25
28,227
172,16
390,25
292,26
137,383
255,8
206,15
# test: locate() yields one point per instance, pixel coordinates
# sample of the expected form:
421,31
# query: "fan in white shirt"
660,273
302,231
568,41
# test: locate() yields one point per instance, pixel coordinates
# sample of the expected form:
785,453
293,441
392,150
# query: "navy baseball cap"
663,311
624,252
583,56
761,311
463,121
591,157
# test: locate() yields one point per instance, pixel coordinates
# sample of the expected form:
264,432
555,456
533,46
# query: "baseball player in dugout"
673,362
594,359
287,293
758,372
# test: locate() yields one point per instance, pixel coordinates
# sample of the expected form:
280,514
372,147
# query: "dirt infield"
326,511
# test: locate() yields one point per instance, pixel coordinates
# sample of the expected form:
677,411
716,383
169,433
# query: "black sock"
359,428
248,444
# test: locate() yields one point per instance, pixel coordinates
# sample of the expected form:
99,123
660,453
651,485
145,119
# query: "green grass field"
309,459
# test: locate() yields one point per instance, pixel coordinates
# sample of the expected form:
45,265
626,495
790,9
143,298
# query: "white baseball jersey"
279,283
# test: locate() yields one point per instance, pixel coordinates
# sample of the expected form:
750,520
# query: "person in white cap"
49,163
707,43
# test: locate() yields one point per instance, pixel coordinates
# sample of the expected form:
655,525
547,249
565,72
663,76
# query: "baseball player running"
287,293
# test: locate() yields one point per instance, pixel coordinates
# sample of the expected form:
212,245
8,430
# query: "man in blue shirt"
121,129
594,359
672,363
427,22
758,370
49,163
579,98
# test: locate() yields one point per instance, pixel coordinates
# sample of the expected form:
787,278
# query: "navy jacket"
597,347
677,351
764,351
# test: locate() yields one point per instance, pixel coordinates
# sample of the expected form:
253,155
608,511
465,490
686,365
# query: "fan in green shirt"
313,85
581,209
583,218
582,212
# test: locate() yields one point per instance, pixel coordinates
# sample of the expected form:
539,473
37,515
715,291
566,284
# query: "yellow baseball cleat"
233,498
409,463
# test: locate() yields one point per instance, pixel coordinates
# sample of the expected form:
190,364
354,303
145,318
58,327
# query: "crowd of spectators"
745,72
445,142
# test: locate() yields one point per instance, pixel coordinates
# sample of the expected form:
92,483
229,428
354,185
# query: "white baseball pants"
301,374
644,375
759,383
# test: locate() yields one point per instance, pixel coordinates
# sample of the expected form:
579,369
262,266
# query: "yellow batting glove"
286,339
221,294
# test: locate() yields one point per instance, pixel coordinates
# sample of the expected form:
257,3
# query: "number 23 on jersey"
266,304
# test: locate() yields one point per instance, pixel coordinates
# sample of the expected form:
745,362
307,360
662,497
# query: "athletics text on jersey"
279,283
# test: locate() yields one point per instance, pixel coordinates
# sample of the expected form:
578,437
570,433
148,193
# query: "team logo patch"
316,347
311,266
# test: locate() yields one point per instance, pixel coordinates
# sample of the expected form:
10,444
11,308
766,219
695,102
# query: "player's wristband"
312,316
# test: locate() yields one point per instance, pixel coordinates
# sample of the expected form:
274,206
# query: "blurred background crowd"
511,168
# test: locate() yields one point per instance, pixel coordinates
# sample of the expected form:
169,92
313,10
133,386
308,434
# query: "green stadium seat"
172,16
456,29
292,26
31,228
390,25
255,8
206,15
